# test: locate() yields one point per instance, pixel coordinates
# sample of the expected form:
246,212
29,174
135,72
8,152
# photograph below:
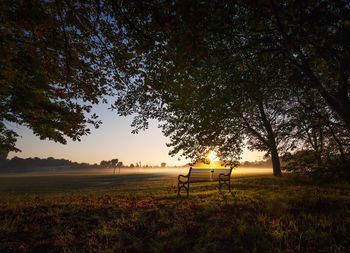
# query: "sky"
113,139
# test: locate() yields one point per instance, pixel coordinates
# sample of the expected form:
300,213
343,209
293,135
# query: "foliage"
218,72
322,142
7,139
308,162
109,164
263,214
53,67
302,161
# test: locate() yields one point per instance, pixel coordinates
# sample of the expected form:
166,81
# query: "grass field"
140,213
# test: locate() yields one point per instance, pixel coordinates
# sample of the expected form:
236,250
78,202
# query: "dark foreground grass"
142,214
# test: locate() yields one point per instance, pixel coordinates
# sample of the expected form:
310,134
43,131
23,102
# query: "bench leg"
188,189
224,182
183,185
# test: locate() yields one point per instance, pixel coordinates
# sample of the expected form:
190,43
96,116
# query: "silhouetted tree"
216,41
114,162
104,164
53,58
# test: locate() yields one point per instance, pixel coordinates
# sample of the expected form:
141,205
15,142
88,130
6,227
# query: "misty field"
140,213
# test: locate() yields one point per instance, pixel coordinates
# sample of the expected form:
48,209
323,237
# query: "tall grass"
261,214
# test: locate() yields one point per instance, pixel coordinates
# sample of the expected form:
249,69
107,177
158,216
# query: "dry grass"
100,213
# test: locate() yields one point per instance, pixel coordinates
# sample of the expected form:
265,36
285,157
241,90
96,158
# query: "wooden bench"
222,175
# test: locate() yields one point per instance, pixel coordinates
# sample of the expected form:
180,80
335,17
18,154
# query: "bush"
313,163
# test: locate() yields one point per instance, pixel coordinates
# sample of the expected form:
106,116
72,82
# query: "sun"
212,156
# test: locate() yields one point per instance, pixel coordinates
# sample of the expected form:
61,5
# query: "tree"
208,105
114,162
229,107
104,164
163,165
53,67
179,40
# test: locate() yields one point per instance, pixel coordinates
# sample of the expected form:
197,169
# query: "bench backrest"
207,174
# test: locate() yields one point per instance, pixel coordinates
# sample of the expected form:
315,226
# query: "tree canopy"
217,71
53,67
272,75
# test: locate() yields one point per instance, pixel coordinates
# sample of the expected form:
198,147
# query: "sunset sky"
112,140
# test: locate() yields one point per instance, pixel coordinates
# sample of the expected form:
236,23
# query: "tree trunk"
276,163
340,145
271,142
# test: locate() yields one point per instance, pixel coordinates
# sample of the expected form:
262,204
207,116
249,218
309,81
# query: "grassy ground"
101,213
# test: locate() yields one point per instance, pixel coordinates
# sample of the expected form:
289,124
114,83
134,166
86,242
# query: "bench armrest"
179,177
224,175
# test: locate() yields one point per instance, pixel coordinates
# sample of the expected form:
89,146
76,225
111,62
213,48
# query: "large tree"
177,40
223,108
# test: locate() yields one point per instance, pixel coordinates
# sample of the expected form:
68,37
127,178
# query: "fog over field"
168,171
175,171
61,180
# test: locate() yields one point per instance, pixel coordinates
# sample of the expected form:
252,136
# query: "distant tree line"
263,163
24,163
139,165
50,162
111,164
